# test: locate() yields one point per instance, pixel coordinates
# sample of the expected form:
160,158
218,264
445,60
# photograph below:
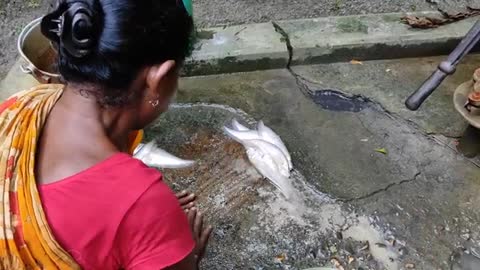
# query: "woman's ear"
156,74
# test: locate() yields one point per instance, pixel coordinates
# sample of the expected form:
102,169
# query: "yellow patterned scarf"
26,241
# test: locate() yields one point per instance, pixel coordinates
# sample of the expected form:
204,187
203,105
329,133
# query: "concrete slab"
15,81
420,193
237,48
308,41
380,36
275,45
390,82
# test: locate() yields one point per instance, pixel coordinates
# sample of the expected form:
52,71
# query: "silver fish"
153,156
266,158
241,136
240,133
269,135
272,151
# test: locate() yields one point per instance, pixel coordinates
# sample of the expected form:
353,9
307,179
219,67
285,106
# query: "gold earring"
154,103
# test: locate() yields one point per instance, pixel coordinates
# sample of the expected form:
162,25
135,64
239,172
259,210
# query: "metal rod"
445,68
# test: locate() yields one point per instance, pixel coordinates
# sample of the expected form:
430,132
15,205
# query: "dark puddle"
334,100
469,144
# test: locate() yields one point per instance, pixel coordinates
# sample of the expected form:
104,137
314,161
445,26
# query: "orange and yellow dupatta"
26,241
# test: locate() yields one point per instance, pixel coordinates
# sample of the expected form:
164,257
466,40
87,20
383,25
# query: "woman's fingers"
198,226
186,199
191,215
206,235
203,242
188,206
181,194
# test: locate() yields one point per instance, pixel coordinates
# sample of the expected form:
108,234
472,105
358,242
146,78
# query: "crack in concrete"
444,135
286,39
302,84
378,191
300,80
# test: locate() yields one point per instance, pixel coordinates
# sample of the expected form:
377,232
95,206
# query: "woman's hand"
200,231
186,199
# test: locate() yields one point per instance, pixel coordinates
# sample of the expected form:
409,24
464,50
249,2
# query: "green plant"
337,5
33,3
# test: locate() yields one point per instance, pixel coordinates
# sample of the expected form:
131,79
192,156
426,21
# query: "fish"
153,156
272,152
267,167
252,136
269,135
241,136
240,133
267,153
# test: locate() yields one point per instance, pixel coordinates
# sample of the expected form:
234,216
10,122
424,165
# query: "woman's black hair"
107,42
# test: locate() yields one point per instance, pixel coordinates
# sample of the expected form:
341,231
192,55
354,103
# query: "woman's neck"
83,109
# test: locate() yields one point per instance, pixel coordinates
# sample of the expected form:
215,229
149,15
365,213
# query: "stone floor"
414,206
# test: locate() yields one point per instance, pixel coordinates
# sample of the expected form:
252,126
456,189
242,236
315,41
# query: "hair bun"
72,26
78,36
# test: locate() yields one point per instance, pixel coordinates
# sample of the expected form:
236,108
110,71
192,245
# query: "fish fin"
237,126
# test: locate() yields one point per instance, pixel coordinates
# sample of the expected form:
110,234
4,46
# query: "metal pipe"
445,68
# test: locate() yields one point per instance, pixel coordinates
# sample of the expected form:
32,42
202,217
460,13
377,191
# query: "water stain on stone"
205,34
334,100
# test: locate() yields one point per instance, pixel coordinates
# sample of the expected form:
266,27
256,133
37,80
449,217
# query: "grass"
337,5
33,3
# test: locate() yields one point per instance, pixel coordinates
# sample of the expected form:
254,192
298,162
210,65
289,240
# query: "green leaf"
382,151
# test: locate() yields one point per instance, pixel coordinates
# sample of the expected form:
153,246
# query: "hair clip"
59,23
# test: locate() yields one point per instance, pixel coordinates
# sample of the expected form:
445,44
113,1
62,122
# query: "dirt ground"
14,14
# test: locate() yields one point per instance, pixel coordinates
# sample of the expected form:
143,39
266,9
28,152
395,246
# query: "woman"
72,196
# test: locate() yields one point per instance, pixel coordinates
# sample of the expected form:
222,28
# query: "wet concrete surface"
416,205
390,82
335,100
256,227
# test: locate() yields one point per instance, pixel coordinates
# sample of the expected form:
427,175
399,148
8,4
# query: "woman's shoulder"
123,166
117,171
